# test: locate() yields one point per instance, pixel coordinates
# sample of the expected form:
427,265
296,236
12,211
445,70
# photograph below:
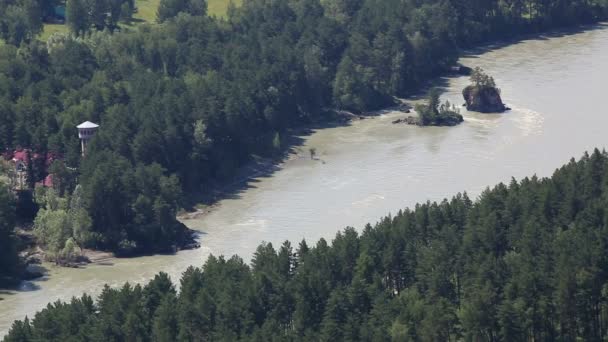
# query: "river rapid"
554,84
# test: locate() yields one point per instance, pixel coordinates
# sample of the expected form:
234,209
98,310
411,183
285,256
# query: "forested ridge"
185,102
525,261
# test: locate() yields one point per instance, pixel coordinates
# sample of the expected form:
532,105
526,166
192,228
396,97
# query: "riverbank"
265,167
205,204
33,255
373,167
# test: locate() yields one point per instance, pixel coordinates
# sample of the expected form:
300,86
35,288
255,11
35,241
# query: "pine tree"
77,17
165,320
10,265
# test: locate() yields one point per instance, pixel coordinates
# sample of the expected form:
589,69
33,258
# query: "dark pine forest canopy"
186,102
526,261
10,265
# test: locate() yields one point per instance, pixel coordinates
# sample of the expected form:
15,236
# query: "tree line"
86,15
10,265
184,103
526,261
22,21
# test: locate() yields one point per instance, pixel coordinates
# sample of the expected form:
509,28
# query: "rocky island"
482,95
434,114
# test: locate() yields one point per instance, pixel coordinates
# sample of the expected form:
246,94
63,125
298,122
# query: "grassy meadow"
49,29
146,10
218,7
146,13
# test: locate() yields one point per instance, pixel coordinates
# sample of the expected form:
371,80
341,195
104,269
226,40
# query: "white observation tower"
86,131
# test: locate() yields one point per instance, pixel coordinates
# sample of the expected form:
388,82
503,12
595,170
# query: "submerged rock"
446,120
410,120
483,99
450,119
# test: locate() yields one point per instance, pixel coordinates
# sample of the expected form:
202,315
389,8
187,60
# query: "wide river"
555,86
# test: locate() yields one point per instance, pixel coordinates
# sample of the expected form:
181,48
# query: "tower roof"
87,124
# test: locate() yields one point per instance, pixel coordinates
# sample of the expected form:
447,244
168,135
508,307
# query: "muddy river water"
555,86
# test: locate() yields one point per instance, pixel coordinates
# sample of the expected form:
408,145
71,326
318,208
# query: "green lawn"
219,7
49,29
147,8
146,12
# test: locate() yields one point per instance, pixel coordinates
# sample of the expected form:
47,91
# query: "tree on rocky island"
482,95
437,113
481,79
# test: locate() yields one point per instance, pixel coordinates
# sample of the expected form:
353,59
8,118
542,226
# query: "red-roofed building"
20,158
47,182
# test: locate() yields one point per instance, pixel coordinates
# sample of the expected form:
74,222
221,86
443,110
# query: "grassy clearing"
146,13
49,29
219,7
146,10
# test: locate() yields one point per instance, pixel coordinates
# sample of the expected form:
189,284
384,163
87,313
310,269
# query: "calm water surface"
555,85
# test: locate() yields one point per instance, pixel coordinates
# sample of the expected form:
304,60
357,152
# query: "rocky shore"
483,99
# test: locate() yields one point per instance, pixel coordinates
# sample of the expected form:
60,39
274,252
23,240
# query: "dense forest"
526,261
10,265
183,103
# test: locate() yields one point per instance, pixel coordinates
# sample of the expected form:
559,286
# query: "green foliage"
276,142
77,16
10,265
184,104
525,261
63,178
480,79
168,9
126,12
62,229
148,221
84,15
20,21
436,113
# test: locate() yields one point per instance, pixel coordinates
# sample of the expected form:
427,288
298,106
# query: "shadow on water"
27,285
259,167
441,83
557,33
6,293
264,167
30,285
